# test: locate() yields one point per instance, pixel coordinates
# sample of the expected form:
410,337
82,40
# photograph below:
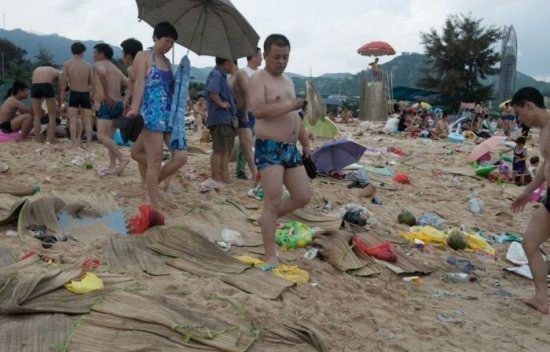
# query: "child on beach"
519,162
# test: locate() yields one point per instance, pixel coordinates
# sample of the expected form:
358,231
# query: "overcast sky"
324,35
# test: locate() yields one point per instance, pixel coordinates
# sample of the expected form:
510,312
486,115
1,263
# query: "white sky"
324,35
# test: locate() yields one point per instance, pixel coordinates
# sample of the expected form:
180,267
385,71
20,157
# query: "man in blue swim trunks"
528,103
278,128
108,104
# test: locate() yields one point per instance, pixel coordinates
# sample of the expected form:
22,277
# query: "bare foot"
273,261
123,163
542,307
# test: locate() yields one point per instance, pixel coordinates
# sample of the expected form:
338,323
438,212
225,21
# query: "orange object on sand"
383,251
402,178
148,217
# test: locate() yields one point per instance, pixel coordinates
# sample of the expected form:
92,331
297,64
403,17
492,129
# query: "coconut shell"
457,240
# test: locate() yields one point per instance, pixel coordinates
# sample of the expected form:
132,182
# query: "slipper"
106,171
267,267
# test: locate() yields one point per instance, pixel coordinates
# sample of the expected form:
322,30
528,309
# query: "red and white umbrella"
376,49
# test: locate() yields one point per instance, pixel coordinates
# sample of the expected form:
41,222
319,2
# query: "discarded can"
376,201
456,277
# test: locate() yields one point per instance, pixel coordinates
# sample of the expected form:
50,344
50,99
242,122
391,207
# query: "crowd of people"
259,106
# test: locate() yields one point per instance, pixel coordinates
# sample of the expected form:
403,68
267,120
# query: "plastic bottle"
476,205
456,277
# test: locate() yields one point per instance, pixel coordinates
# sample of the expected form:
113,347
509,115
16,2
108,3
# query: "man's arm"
22,107
140,68
302,138
244,82
62,84
215,97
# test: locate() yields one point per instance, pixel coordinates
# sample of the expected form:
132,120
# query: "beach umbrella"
485,147
333,100
207,27
423,105
336,155
501,105
316,108
376,49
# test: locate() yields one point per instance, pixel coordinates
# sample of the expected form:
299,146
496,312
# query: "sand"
381,313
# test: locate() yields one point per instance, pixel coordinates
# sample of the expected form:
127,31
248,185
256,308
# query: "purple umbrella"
336,155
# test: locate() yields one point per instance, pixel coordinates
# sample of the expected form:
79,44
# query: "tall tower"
508,63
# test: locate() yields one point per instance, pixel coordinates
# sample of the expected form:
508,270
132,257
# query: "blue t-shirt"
217,83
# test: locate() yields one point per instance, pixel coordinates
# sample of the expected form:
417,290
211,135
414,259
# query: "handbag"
309,165
130,127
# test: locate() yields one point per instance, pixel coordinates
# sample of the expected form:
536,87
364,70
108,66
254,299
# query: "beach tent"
324,127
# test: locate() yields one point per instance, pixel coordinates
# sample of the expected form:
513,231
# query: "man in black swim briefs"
528,103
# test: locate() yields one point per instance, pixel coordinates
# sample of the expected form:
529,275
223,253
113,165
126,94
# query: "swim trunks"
80,100
6,127
251,120
42,90
268,152
107,112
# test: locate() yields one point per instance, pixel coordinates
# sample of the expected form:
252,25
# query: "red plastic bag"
383,251
402,178
148,217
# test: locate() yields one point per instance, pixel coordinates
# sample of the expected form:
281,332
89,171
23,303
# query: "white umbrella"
207,27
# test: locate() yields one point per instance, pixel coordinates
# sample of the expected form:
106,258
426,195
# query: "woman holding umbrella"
152,98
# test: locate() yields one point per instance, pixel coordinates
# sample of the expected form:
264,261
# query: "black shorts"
6,127
80,100
546,200
42,90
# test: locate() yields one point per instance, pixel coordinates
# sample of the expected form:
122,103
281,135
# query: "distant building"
508,63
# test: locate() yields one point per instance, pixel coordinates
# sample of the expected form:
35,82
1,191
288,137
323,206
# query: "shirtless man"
42,88
79,75
239,84
253,62
278,128
528,103
130,48
10,120
108,104
441,129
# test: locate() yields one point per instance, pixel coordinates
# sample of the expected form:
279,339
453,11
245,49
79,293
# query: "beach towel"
176,121
8,137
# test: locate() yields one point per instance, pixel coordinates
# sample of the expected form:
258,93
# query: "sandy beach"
349,313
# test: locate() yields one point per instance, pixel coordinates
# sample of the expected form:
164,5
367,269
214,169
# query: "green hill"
59,47
407,69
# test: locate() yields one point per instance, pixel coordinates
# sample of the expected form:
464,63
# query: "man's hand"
225,105
306,151
298,104
109,101
245,118
520,202
132,113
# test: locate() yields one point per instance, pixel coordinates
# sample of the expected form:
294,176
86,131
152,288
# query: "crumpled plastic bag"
293,234
88,283
148,217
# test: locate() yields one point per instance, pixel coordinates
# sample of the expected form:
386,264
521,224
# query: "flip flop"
106,171
267,267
